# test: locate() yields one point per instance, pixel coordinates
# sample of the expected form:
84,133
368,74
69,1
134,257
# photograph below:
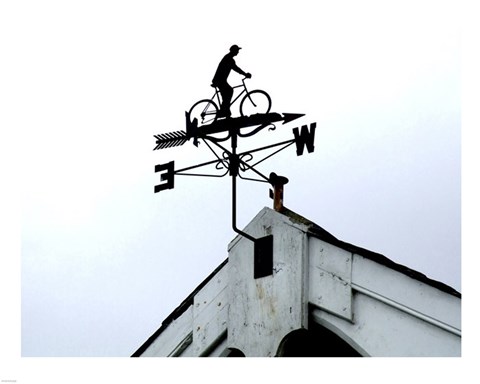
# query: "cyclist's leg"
227,92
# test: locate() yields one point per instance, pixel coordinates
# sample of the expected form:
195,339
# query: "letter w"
305,138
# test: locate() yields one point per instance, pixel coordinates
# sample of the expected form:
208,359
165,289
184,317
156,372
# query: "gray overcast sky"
104,260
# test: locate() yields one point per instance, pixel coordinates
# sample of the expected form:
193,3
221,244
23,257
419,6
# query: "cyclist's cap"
234,47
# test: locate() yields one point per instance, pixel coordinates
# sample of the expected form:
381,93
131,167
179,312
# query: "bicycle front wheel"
254,102
205,111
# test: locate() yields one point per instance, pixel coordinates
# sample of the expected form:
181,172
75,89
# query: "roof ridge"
322,234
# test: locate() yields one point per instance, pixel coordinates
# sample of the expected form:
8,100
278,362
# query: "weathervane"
205,121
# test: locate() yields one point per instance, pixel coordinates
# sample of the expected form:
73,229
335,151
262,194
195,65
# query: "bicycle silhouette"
254,102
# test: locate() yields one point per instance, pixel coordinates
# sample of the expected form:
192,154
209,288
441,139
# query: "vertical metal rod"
234,164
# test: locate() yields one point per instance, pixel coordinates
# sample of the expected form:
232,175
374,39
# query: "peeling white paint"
379,311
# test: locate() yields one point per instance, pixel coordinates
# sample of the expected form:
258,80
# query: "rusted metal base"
277,194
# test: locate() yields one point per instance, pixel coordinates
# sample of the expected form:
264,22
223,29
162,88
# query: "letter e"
166,176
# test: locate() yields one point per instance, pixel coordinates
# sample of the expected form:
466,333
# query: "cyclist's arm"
236,68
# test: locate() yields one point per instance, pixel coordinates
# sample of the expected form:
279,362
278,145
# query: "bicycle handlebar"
243,80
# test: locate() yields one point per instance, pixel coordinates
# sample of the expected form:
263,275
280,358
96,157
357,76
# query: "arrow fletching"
171,139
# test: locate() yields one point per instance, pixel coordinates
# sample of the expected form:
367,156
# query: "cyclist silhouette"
220,79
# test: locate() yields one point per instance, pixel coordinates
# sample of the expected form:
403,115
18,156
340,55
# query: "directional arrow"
177,138
224,125
171,139
287,117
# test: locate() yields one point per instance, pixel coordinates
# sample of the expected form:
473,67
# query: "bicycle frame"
217,93
211,107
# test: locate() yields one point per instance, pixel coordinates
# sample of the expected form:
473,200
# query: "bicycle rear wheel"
254,102
205,111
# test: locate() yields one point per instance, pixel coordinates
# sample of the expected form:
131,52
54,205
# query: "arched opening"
317,341
232,352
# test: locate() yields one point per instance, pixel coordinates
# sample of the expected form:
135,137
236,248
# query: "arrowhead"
287,117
